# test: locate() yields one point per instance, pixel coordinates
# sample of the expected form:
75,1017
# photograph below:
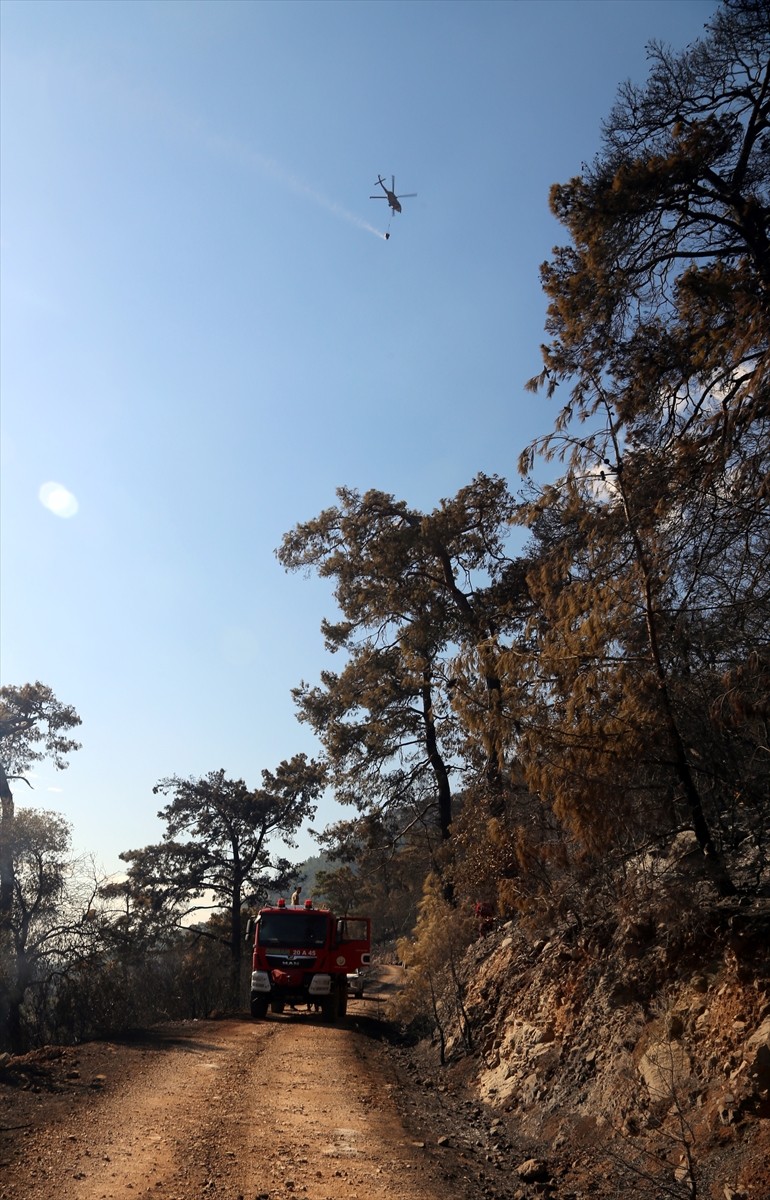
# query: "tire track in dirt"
329,1125
230,1109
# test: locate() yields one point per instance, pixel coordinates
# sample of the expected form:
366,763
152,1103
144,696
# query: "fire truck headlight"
260,981
320,985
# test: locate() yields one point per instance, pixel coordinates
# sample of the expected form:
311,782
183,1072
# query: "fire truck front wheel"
259,1007
330,1006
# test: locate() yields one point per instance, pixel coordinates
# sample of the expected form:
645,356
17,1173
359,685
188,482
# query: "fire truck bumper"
260,982
320,985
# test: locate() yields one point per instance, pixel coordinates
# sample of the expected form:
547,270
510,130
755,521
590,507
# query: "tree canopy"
417,593
34,725
608,681
654,544
216,852
48,930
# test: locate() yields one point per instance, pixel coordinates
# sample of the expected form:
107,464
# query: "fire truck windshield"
293,929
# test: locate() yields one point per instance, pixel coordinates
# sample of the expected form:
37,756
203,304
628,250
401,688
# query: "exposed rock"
756,1055
605,1051
665,1068
686,854
674,1027
532,1171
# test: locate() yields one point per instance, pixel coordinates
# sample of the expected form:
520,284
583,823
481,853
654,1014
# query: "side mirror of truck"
250,927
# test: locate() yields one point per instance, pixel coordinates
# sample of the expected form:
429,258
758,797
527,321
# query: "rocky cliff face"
631,1056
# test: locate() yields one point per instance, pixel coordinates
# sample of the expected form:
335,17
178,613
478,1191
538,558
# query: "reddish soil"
231,1108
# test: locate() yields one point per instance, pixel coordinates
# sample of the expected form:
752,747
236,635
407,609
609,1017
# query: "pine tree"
654,543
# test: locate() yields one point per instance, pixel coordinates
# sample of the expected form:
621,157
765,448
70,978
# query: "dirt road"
231,1109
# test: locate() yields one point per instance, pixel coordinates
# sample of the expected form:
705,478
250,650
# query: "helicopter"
390,193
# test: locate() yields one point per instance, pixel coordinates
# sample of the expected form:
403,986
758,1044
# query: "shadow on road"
368,1016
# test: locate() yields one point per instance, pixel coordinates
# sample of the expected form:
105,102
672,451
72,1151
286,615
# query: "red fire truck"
303,955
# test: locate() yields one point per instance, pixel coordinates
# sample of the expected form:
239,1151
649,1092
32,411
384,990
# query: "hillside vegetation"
627,1054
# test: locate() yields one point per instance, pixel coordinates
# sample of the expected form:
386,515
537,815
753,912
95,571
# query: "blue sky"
204,332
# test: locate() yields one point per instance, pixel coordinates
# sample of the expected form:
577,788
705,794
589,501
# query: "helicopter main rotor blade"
406,195
378,197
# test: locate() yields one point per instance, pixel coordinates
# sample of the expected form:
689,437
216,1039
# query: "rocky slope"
617,1057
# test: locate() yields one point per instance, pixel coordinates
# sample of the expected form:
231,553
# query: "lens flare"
58,499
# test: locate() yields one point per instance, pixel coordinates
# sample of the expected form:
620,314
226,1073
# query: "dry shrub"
432,997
